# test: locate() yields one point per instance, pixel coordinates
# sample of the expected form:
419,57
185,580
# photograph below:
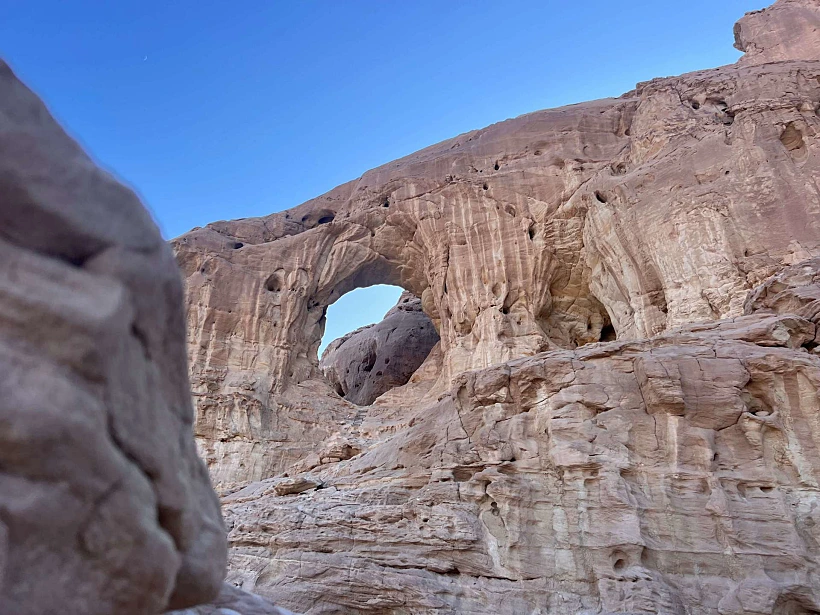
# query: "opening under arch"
375,339
356,309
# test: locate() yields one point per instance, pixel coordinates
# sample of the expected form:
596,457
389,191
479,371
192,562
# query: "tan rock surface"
639,477
785,31
104,506
234,601
534,463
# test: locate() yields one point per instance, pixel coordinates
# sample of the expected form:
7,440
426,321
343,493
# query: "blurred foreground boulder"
105,507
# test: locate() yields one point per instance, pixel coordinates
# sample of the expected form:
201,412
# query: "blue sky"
215,110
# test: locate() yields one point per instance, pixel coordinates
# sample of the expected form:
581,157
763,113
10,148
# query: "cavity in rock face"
374,359
104,505
622,413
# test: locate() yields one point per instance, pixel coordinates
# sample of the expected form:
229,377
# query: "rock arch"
491,301
517,238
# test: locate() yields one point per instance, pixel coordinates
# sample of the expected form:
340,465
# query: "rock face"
374,359
104,505
233,601
785,31
672,475
622,413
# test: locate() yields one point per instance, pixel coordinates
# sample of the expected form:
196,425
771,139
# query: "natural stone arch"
340,258
516,239
518,299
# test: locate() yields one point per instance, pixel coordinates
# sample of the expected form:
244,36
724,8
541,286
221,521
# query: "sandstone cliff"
621,415
104,506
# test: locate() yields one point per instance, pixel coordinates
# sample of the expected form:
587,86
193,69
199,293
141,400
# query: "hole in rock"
619,564
315,218
496,167
374,339
361,307
238,245
600,197
274,283
618,168
608,333
464,474
695,105
792,140
486,186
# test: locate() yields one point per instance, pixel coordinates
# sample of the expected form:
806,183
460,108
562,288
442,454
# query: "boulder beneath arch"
374,359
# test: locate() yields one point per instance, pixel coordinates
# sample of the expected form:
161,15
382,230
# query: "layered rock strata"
672,475
104,505
621,415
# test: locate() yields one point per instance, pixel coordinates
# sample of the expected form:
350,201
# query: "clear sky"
215,110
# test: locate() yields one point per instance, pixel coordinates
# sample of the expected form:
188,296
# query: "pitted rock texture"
622,413
560,228
104,505
374,359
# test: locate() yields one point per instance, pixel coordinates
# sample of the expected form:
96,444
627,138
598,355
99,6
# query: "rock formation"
233,601
785,31
621,415
359,365
104,505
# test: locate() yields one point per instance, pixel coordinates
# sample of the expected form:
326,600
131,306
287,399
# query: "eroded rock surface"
669,475
622,413
374,359
104,505
233,601
785,31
